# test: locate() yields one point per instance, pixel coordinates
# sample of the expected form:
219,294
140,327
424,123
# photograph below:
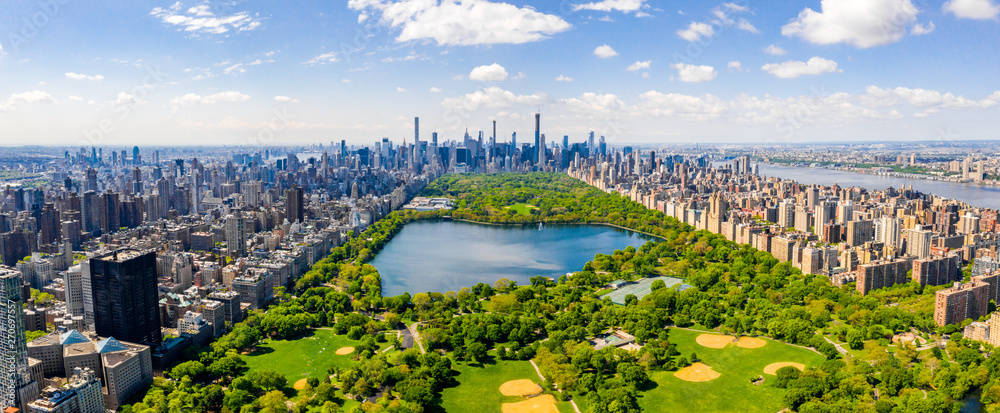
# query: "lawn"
303,357
522,208
478,388
732,391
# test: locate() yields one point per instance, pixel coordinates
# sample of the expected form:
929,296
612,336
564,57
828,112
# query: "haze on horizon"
636,71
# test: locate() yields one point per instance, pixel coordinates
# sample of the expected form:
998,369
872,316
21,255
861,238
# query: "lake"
442,256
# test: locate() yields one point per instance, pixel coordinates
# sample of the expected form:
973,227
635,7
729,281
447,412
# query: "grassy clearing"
732,391
478,388
303,357
522,208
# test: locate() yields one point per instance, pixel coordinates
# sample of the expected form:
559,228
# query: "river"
445,256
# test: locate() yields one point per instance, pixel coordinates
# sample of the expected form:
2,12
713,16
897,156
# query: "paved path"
540,376
416,336
840,349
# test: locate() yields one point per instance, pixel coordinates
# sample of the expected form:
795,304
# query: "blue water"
446,256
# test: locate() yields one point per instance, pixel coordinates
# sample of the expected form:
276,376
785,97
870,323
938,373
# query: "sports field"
522,208
303,357
479,388
731,390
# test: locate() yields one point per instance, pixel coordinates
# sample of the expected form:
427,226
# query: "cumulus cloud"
201,19
605,51
921,29
735,66
612,5
860,23
489,73
285,99
774,50
793,68
562,78
592,104
639,66
80,76
493,98
972,9
461,22
696,31
694,73
322,59
400,90
435,90
192,99
18,99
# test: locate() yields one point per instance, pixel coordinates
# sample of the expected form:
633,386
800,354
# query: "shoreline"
561,223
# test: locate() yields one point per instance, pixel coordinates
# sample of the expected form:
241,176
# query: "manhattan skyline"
212,73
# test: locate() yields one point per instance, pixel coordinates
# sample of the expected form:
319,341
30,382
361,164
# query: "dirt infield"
520,388
714,340
697,372
772,369
299,385
541,404
750,342
343,351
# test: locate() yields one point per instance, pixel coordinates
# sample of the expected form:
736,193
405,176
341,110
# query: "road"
415,336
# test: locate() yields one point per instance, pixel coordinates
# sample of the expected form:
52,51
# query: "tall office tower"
812,196
845,212
434,138
163,191
126,299
251,193
16,387
888,231
91,184
825,213
539,149
918,242
236,235
786,214
293,204
135,156
590,143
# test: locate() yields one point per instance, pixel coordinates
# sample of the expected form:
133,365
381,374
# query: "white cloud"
345,80
612,5
921,29
605,51
407,58
192,99
400,90
924,98
694,73
462,22
696,31
322,59
592,104
639,66
972,9
237,68
860,23
285,99
80,76
75,99
774,50
735,66
493,98
700,108
2,53
17,99
519,75
201,19
562,78
744,25
435,90
489,73
793,68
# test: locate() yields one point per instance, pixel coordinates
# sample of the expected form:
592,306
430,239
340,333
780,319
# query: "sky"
636,71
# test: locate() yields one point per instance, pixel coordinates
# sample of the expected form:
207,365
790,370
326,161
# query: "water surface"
446,256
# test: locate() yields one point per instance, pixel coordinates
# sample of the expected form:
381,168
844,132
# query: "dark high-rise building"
16,387
539,148
126,300
293,204
16,245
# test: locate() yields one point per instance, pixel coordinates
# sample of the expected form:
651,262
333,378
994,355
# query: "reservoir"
973,194
442,256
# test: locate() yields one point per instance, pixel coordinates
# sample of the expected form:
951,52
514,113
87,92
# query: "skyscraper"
539,147
16,386
236,235
293,204
126,300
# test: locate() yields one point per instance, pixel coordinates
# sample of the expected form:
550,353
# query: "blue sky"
636,71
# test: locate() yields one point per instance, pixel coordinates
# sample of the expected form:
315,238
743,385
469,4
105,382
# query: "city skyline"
248,73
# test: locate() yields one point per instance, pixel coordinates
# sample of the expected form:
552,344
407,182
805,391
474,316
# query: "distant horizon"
255,73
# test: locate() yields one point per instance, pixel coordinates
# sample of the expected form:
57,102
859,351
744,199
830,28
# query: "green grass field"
478,388
732,392
303,357
522,208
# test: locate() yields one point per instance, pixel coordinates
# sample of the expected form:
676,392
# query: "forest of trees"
737,290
